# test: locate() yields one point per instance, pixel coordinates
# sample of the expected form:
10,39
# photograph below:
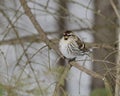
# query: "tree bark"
117,87
61,26
105,32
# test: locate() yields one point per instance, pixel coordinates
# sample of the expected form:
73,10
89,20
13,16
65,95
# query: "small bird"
71,46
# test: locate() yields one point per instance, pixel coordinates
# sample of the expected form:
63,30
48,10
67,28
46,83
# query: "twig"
61,81
87,71
36,39
99,46
24,50
37,26
115,9
95,75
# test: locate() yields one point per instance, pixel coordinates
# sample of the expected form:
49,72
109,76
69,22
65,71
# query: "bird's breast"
63,46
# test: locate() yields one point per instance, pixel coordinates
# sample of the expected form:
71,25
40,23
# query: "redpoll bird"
71,46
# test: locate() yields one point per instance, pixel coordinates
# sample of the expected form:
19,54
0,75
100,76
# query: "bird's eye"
67,33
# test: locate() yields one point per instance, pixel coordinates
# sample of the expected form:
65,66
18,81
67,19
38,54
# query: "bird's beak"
65,37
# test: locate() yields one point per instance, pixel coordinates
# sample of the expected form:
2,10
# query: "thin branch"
24,50
85,70
61,80
36,39
115,9
99,46
94,75
37,26
24,39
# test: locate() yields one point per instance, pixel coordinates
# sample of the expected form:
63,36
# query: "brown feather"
81,44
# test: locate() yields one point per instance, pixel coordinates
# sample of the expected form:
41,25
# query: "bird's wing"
81,45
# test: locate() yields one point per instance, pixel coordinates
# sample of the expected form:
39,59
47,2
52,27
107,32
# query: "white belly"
63,48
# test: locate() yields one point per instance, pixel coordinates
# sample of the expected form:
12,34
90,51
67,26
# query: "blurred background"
28,67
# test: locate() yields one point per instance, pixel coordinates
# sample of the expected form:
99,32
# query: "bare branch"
61,80
87,71
115,9
94,75
36,39
37,26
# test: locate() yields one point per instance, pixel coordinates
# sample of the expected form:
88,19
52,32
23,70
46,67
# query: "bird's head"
67,34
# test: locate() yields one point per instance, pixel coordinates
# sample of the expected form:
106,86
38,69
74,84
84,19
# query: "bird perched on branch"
71,46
